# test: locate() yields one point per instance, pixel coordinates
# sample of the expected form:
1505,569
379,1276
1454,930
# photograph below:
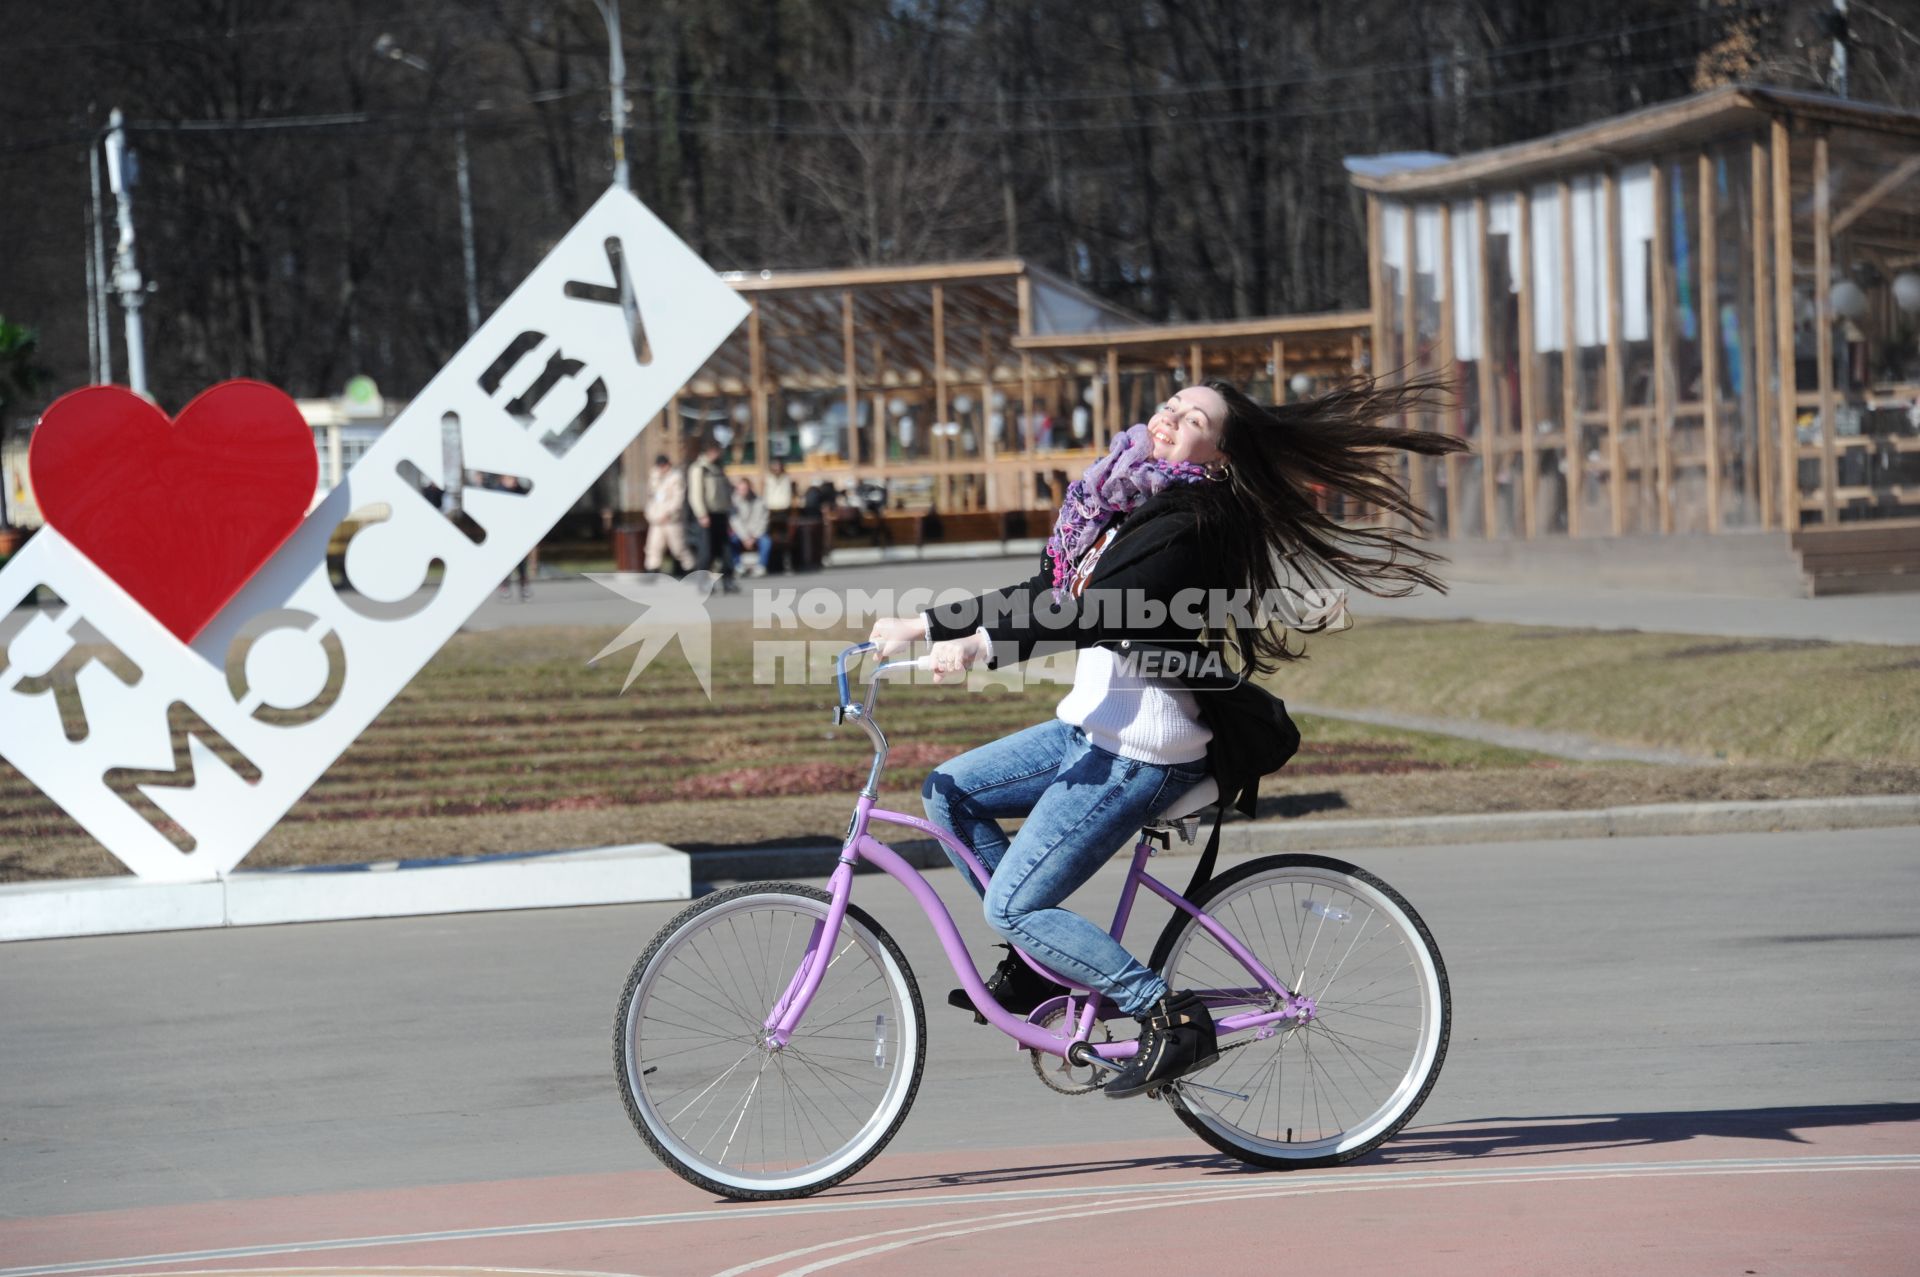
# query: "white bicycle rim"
1333,1086
734,1112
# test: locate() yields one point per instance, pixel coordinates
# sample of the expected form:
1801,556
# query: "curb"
1268,837
334,893
642,872
1792,815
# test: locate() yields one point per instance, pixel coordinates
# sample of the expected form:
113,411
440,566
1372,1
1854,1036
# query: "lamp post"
122,172
617,88
387,47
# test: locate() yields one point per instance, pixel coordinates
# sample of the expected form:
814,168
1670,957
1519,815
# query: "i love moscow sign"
177,552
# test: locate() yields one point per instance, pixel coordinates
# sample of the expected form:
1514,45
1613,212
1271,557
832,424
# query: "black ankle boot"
1176,1038
1017,987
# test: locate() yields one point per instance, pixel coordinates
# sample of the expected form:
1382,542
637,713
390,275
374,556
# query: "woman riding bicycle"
1206,505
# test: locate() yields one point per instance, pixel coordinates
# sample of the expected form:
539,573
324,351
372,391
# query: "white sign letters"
99,703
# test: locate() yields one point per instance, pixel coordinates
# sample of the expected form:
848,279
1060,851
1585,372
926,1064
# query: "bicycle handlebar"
840,668
863,714
921,664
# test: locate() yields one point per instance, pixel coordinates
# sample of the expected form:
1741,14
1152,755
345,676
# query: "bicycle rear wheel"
1338,1084
713,1099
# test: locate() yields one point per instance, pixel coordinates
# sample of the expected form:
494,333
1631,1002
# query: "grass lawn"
1746,700
509,741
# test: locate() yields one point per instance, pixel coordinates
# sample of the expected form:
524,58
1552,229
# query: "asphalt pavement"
1627,991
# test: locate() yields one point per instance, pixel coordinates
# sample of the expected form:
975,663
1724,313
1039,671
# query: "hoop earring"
1221,473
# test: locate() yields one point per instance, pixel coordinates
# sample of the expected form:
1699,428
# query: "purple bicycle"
771,1038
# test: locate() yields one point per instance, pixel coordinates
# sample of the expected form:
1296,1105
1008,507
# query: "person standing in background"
780,503
667,517
710,495
779,488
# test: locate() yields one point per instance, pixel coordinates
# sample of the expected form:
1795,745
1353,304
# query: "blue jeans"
1082,804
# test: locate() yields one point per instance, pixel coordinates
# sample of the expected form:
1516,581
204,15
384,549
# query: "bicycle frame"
860,845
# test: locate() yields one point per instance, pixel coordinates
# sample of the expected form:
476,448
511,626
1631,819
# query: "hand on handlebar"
894,635
954,657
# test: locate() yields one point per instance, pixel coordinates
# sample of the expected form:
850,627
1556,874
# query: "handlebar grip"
924,664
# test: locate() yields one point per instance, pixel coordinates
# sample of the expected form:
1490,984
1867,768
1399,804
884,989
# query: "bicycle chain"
1094,1088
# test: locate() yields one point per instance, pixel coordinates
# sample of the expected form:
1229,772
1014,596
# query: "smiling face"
1187,427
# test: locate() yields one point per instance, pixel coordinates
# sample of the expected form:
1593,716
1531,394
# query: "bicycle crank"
1063,1075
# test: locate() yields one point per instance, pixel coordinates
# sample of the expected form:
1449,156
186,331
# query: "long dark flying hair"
1264,519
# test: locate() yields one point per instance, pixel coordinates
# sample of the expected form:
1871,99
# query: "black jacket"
1156,555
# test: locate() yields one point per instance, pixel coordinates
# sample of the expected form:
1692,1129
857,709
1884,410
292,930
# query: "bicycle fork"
792,1004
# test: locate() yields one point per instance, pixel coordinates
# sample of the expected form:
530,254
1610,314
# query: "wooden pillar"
1709,307
1529,411
1788,392
1279,360
1413,360
882,422
1377,283
1449,365
676,433
757,381
633,474
1764,344
1022,432
1196,365
937,452
1572,437
1026,400
1616,392
986,408
851,376
1489,441
1663,361
1823,318
1358,356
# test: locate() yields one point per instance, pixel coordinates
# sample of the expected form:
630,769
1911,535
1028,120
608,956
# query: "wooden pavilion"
966,386
1702,317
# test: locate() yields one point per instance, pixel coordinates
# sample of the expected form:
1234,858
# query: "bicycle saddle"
1183,815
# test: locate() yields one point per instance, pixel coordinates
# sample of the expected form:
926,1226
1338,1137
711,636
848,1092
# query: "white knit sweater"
1151,719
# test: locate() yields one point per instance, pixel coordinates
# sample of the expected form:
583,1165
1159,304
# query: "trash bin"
629,546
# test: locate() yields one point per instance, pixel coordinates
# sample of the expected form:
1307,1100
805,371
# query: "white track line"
1296,1185
991,1224
783,1256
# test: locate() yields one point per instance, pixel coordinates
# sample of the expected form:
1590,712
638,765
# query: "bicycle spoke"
729,1105
1319,1089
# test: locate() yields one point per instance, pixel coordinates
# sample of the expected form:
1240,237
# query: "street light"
617,87
387,47
122,174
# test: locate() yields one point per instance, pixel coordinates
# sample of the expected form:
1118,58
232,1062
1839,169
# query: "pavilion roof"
808,319
1687,121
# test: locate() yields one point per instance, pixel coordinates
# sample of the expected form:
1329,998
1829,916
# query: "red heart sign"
181,514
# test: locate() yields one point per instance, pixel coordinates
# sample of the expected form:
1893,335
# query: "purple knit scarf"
1116,484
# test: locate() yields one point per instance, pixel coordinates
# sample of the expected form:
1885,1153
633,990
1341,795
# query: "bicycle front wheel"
718,1103
1327,1088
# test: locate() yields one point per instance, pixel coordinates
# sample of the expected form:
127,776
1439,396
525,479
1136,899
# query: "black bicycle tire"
1180,922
